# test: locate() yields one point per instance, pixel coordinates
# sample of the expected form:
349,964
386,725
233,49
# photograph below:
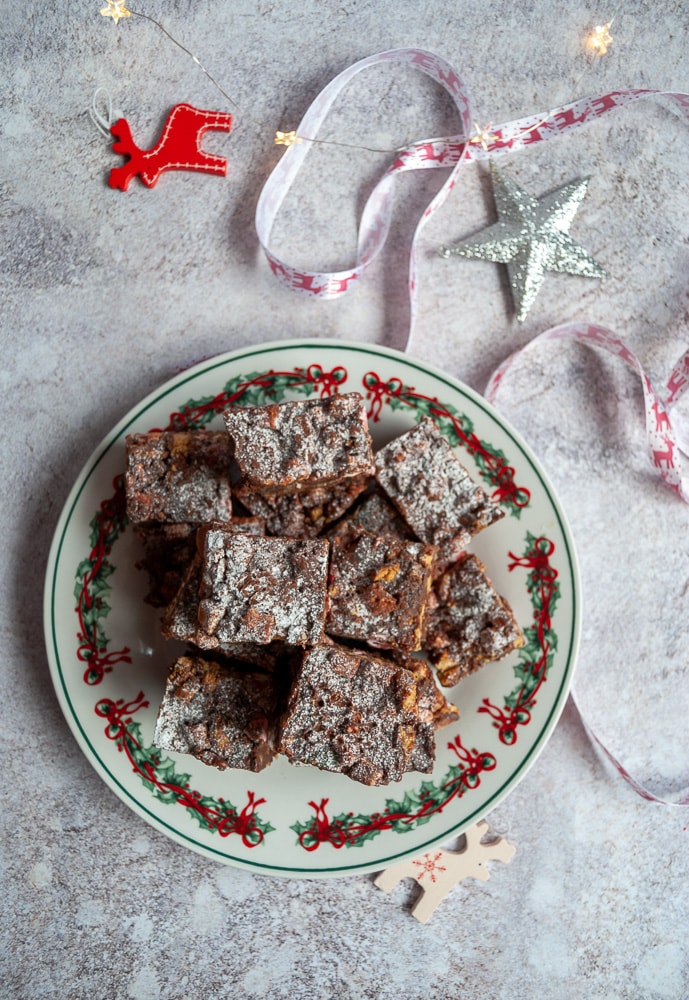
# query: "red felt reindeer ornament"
179,147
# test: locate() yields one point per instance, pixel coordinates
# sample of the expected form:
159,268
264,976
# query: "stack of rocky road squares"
312,581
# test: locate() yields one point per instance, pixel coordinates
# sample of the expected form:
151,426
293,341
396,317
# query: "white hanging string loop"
104,118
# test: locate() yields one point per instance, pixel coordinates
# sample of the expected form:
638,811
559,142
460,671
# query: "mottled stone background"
106,294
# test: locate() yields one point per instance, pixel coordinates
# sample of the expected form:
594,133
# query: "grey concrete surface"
105,294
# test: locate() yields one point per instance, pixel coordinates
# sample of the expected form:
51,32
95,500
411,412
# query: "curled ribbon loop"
662,443
663,450
677,385
375,220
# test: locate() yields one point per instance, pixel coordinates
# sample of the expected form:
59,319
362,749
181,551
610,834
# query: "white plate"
108,661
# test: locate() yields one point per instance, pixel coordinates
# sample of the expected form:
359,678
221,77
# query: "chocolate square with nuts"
433,491
220,713
306,513
352,712
178,476
471,623
262,589
285,447
378,588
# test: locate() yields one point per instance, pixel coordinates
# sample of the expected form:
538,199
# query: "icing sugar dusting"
220,714
353,712
260,589
432,490
301,443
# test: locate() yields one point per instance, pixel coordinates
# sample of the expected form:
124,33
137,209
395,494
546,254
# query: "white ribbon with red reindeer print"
376,216
664,446
664,441
448,153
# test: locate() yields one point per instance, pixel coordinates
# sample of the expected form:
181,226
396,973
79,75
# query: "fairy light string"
116,9
597,41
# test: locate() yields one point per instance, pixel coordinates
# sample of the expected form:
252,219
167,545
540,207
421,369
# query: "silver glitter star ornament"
532,237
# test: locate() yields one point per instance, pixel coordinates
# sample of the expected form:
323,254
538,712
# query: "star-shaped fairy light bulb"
482,136
287,139
116,9
600,38
532,237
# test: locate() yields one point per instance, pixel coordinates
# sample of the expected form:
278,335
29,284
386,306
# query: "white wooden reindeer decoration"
439,870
